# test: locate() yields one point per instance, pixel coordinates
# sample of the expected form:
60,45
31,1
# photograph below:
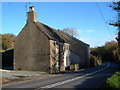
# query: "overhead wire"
106,24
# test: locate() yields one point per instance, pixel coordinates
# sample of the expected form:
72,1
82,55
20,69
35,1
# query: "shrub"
108,52
95,61
113,82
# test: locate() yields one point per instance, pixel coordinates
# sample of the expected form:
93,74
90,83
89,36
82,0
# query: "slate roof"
61,36
76,45
50,32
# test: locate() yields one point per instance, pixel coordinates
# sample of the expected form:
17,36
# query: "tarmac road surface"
89,78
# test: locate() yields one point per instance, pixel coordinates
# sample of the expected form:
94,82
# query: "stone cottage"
39,47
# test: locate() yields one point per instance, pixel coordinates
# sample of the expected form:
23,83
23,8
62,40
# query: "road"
88,78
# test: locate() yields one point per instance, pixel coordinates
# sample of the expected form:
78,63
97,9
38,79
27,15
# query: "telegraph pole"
116,7
119,31
118,25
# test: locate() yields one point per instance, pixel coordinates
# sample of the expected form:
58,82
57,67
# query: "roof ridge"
41,30
73,37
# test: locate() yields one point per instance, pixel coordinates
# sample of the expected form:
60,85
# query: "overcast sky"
89,18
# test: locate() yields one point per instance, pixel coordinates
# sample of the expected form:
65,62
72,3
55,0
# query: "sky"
90,19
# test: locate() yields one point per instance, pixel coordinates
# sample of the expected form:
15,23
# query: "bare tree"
71,31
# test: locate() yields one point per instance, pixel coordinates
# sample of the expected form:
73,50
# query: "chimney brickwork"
31,15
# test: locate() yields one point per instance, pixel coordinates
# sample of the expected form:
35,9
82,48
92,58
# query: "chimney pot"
31,8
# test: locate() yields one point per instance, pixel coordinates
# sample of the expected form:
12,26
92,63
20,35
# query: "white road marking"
70,80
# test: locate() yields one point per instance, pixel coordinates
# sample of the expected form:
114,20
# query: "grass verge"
113,82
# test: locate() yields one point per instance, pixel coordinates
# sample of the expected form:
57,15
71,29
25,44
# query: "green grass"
114,81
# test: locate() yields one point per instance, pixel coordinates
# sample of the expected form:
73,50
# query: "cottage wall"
74,58
84,56
54,56
32,50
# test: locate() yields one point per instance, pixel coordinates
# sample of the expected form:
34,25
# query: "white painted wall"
67,58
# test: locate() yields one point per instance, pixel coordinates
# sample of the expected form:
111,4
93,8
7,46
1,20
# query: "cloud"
86,31
92,42
95,42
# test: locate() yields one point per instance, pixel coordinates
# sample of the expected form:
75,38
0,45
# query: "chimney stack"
31,15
